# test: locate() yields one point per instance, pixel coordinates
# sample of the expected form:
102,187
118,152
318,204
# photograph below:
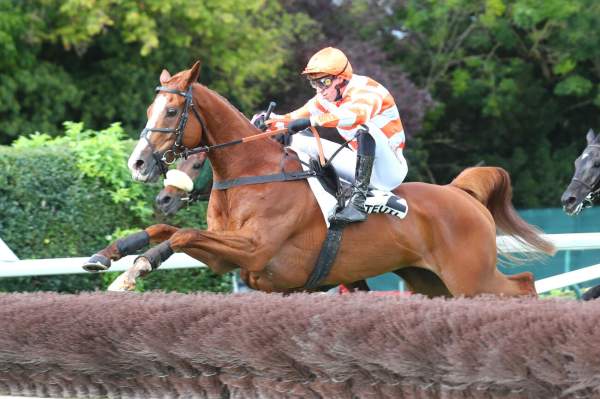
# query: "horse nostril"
164,200
569,200
138,164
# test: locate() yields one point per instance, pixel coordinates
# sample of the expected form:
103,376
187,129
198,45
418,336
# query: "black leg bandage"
366,143
592,293
158,254
130,244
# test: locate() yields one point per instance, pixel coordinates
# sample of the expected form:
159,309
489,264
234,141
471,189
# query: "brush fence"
255,345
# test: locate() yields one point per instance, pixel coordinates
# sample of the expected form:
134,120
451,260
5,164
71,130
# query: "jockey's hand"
298,125
258,120
283,139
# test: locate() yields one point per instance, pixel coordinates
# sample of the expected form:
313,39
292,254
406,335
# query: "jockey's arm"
350,114
282,121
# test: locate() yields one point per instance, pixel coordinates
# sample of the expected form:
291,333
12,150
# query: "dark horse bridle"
594,187
178,150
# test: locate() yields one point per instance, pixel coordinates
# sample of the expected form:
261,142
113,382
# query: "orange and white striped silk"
363,101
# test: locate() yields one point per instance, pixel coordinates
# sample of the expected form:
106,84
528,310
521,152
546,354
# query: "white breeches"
389,168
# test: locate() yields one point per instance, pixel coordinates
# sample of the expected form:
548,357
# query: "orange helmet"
329,61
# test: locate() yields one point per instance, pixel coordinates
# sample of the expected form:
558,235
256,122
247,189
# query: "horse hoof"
97,263
591,294
121,284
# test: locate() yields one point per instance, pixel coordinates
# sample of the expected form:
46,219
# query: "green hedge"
73,195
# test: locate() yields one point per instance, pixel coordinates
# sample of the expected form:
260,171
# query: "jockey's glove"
298,125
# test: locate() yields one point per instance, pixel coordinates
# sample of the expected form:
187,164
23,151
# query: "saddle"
377,201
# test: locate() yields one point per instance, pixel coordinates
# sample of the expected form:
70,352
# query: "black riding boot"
355,208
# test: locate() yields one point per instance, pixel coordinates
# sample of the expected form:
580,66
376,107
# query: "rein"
180,151
208,148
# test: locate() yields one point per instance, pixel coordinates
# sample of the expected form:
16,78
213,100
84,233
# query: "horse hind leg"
525,283
470,275
520,284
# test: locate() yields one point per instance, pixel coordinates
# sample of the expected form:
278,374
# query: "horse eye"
171,112
596,164
197,166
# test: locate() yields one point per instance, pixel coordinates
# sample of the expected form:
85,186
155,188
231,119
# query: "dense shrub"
72,195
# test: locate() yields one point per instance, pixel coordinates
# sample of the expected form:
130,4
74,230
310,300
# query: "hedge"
73,195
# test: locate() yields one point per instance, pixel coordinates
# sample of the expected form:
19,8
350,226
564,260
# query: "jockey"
362,110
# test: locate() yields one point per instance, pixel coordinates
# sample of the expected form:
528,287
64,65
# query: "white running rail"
45,267
10,266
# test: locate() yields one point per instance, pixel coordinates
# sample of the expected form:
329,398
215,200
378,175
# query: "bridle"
593,188
181,151
178,150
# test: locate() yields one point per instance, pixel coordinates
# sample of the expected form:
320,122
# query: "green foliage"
99,156
564,293
515,82
514,85
574,85
71,196
98,61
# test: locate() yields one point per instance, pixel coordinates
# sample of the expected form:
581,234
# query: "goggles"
321,83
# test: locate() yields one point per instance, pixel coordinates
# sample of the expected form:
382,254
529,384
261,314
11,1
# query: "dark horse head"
585,184
191,181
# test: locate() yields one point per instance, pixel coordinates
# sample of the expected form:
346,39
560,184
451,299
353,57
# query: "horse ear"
194,73
590,137
164,76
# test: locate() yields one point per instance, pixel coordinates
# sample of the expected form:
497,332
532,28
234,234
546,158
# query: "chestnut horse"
194,183
274,231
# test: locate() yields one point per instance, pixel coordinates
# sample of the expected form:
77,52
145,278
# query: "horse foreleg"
153,258
128,245
143,265
232,247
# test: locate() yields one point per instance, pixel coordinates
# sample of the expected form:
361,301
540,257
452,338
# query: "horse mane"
180,80
227,103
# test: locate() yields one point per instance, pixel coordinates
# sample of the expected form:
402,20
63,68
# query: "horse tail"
492,187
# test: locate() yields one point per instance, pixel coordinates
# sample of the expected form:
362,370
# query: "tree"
515,82
97,61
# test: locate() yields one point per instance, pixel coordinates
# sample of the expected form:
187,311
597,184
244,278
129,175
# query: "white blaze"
160,102
158,107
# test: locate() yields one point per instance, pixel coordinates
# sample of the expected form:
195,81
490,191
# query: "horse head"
169,130
191,181
585,183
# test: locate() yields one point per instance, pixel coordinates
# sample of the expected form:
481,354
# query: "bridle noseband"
178,150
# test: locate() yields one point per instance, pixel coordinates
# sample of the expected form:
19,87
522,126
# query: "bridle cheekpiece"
178,150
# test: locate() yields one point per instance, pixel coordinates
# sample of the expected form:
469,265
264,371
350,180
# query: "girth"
327,256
